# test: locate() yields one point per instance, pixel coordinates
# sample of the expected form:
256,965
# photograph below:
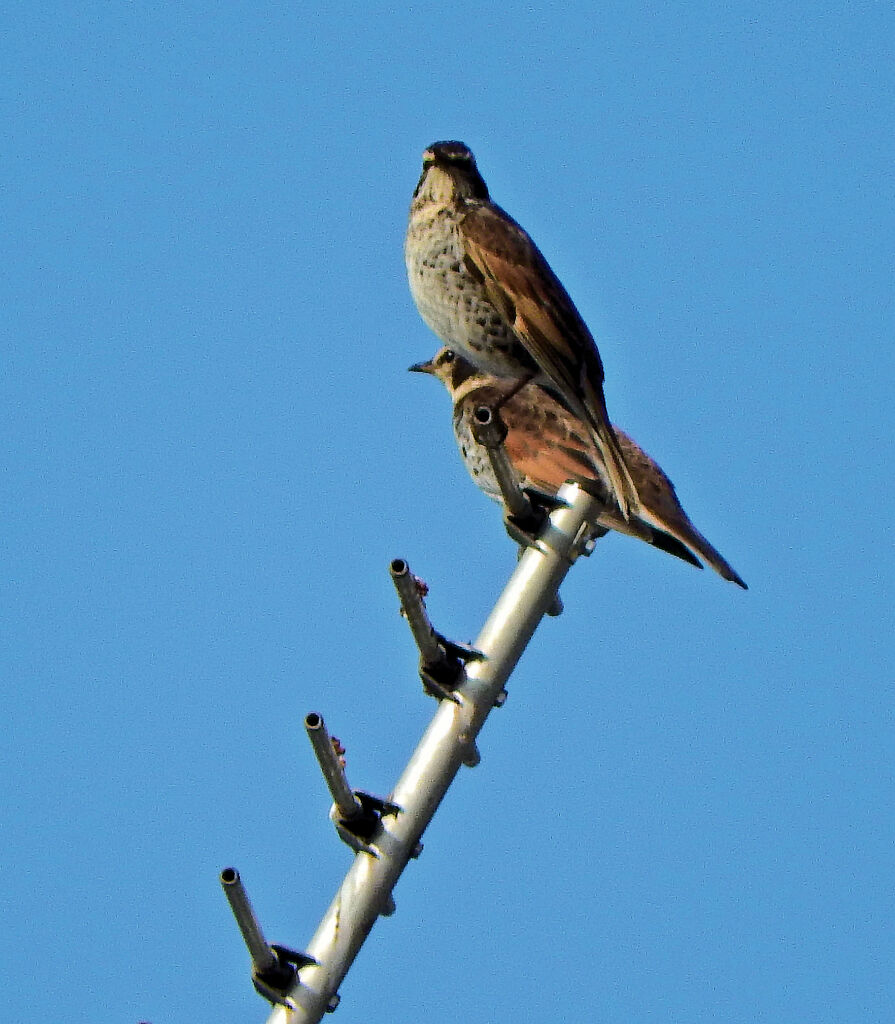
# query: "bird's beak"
426,367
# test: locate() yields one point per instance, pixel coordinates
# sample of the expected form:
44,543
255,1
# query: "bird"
481,284
548,445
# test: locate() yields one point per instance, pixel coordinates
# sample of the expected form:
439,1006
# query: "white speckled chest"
475,457
452,302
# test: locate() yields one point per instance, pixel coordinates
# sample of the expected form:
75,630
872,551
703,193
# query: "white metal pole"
366,889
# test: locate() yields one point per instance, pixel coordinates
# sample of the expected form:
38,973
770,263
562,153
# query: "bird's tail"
689,535
661,510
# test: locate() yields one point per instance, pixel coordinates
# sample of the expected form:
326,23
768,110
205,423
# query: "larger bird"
547,445
482,285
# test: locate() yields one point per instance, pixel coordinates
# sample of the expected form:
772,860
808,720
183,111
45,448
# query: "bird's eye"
460,157
454,153
448,356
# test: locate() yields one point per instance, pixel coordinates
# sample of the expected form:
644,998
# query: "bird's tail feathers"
712,557
620,478
691,538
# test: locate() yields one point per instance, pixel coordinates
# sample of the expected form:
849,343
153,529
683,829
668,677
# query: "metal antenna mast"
469,682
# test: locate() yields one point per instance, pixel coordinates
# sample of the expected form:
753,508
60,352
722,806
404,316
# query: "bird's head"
449,171
451,369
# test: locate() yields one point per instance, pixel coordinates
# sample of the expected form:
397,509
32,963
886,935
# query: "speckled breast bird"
482,285
547,445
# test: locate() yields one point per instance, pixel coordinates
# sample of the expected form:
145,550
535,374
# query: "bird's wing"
530,297
546,444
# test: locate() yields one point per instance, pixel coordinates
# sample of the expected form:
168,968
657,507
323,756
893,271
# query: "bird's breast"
475,457
453,302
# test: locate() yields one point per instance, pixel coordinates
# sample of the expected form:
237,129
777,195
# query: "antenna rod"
366,890
263,957
347,804
415,610
490,431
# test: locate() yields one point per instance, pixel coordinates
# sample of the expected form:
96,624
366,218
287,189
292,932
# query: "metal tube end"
329,757
411,592
263,958
490,431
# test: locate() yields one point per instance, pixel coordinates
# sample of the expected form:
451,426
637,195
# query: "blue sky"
212,450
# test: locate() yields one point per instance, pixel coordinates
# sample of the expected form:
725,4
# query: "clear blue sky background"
212,450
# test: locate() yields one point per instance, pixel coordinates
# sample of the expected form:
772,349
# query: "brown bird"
482,285
547,445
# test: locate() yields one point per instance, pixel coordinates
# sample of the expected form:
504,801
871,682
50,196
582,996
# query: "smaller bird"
548,445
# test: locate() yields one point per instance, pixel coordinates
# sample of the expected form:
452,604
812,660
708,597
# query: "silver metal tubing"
263,957
489,430
366,889
415,610
346,802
